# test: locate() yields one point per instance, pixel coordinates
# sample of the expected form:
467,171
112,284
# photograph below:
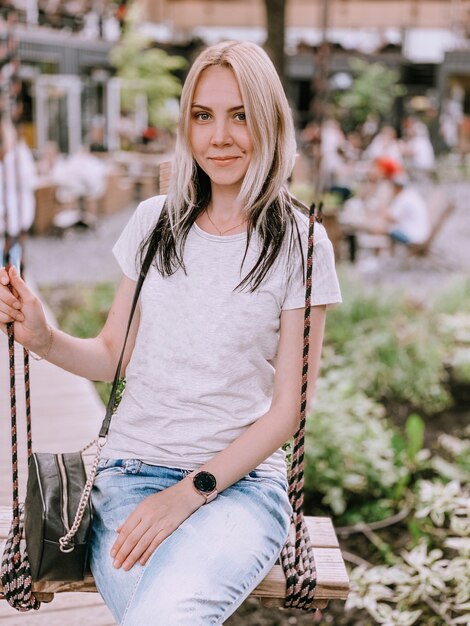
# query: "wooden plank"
332,578
164,177
321,531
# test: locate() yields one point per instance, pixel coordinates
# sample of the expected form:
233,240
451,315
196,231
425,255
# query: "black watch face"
205,482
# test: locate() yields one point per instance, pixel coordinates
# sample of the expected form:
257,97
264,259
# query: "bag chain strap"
65,542
298,562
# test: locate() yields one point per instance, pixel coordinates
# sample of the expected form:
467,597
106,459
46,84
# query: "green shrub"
430,582
454,299
394,351
82,312
350,456
455,328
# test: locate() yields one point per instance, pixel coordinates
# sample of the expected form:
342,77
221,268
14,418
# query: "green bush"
455,328
350,455
380,352
394,351
430,582
82,312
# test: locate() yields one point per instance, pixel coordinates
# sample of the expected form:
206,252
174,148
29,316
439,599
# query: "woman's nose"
221,134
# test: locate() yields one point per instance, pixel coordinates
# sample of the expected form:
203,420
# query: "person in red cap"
387,167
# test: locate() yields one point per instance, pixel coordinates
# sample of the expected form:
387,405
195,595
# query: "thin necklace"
222,232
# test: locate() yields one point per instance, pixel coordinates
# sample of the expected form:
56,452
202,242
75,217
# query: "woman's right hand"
19,305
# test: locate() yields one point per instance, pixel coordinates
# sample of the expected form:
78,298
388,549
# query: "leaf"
414,429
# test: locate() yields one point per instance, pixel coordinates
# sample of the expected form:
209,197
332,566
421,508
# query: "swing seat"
332,577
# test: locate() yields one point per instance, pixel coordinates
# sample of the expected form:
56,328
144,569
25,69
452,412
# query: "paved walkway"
79,256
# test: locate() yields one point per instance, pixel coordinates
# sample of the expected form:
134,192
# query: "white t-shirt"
422,153
202,368
411,215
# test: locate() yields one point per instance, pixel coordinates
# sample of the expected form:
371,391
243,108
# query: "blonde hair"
269,121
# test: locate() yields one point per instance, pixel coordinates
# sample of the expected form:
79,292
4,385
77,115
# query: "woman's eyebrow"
195,105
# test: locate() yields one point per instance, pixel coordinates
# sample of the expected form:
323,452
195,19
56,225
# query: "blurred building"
67,90
185,15
427,40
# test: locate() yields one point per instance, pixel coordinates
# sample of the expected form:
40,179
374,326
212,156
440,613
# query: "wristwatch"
205,484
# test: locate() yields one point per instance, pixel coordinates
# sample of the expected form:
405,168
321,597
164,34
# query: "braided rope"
16,572
27,391
298,561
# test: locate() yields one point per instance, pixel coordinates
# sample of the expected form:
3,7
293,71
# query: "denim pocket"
119,466
262,476
110,466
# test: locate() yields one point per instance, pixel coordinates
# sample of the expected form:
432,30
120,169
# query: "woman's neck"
225,205
224,215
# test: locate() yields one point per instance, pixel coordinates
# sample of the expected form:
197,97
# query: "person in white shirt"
191,505
384,145
406,219
418,148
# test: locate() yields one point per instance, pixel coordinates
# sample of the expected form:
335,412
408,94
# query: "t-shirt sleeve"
325,285
143,220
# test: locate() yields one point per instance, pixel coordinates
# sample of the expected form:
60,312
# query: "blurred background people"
406,219
333,161
417,148
384,144
18,179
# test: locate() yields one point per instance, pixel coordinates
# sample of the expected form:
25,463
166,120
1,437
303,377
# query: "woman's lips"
223,161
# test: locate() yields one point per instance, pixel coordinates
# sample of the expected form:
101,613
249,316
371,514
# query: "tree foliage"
374,90
146,70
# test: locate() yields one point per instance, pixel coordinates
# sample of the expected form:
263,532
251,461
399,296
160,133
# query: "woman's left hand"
154,519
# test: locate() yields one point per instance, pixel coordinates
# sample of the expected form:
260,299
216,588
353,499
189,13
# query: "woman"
190,502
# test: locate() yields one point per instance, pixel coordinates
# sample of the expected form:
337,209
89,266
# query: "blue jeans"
205,569
399,235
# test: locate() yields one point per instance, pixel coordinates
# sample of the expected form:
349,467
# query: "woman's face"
220,140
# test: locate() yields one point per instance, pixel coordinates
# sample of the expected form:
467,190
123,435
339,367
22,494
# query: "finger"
8,303
139,549
124,531
14,292
151,549
133,544
7,317
4,278
13,313
18,283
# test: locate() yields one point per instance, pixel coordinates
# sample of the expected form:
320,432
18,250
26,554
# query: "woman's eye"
241,117
202,116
